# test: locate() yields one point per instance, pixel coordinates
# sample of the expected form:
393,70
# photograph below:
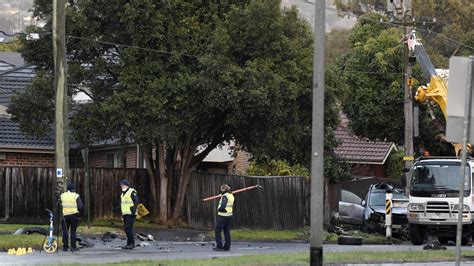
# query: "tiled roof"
12,58
12,137
360,150
14,80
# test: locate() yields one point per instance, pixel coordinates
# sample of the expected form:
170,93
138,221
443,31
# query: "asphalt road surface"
110,252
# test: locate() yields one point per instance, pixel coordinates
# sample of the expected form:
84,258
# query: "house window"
114,160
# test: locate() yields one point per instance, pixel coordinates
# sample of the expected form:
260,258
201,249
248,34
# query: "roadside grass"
116,223
82,229
267,235
303,258
21,241
367,238
11,228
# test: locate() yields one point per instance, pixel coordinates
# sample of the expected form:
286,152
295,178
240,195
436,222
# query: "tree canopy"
180,78
372,71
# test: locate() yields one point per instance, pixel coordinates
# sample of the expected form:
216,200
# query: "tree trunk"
151,173
185,173
163,184
327,214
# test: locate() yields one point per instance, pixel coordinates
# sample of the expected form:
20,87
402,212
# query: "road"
110,252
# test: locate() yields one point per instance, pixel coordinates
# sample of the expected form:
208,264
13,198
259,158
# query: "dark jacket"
223,204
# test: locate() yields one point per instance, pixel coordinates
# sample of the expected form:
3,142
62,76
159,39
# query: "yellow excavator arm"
437,89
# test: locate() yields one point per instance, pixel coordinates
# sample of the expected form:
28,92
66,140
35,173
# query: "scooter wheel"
50,247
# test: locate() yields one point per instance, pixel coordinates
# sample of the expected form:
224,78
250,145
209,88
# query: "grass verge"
303,258
24,241
267,235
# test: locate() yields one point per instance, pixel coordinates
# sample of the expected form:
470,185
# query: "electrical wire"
400,26
133,46
447,38
371,72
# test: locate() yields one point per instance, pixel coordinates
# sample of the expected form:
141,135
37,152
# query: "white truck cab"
434,197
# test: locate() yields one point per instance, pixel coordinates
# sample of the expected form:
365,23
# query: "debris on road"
84,243
108,236
433,246
143,237
143,244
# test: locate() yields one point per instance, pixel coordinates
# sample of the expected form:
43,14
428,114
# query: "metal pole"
60,82
467,117
85,156
317,137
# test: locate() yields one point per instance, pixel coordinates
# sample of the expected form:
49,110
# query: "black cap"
70,186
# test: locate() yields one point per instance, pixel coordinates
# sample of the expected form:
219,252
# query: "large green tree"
181,77
373,73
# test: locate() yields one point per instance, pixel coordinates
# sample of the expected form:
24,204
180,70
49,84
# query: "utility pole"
317,137
408,98
401,10
60,84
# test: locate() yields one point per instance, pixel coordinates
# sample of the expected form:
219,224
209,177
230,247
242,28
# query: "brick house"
17,149
366,158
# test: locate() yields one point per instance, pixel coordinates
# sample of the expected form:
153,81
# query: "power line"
371,72
399,26
447,38
134,47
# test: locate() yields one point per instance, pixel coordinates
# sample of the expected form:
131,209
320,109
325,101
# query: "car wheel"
349,240
417,234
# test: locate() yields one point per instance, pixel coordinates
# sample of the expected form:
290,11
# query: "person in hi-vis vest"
71,203
224,218
128,206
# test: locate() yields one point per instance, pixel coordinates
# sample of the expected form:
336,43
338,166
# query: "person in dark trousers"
71,203
224,218
128,205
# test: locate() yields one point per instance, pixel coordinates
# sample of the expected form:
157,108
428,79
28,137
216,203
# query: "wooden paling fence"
25,192
281,204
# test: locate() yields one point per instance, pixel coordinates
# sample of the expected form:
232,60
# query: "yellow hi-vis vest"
228,207
126,201
68,200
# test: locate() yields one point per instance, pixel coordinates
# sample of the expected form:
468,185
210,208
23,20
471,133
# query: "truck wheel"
417,234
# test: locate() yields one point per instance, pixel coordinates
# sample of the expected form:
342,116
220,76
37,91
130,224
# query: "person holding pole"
128,206
224,218
71,203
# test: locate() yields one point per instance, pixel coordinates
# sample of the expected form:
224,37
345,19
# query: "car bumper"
437,218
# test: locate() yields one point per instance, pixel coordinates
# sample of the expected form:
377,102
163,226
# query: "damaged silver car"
370,212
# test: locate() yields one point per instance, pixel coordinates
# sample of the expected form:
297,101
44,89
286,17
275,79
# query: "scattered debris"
336,229
83,243
31,230
143,244
433,246
108,236
202,237
450,243
144,237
